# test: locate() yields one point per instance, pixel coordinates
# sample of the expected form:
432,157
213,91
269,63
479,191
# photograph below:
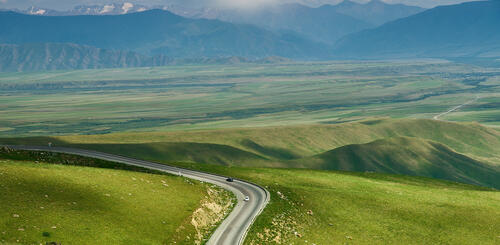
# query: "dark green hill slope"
183,152
295,142
408,156
454,151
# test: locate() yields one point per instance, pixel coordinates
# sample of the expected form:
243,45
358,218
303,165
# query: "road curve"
232,230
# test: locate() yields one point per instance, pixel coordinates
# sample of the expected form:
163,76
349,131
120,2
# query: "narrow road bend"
232,230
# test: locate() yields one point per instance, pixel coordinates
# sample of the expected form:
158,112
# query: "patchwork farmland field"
221,96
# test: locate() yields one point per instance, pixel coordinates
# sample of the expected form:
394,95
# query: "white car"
246,199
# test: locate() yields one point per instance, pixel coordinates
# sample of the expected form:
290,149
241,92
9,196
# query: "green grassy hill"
409,156
84,205
183,152
293,142
325,207
284,143
330,207
466,152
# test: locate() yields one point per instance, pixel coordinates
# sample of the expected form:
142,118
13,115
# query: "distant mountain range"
124,35
104,9
52,56
326,23
64,56
470,29
156,32
376,12
321,24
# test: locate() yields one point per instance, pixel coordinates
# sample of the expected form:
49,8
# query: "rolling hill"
407,156
157,32
295,142
462,152
183,152
468,29
391,209
42,203
332,207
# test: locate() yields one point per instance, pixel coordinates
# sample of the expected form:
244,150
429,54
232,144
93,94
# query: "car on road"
246,199
230,180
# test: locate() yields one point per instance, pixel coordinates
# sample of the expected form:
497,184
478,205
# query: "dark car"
229,179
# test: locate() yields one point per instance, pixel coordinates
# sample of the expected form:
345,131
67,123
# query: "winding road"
232,230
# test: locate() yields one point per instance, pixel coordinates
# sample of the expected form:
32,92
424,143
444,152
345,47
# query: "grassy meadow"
194,97
331,207
463,152
44,203
294,128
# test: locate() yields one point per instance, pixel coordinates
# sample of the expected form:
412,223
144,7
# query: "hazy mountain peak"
157,32
468,29
376,12
347,3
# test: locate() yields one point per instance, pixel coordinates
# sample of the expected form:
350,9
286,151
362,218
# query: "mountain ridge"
157,32
68,56
326,22
463,30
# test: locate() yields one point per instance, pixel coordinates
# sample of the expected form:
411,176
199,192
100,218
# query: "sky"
68,4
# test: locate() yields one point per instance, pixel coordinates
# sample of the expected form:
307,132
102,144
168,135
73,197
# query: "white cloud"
69,4
250,4
126,7
107,9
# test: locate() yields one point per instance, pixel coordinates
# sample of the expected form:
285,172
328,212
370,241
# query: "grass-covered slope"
289,142
293,142
44,203
466,152
409,156
183,152
329,207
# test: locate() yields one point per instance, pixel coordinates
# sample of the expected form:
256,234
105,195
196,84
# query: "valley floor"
194,97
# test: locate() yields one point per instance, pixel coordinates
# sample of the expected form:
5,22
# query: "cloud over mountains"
68,4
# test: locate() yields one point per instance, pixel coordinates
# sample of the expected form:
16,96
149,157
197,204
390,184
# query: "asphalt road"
233,229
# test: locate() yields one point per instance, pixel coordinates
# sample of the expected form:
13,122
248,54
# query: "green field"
222,96
462,152
83,205
368,208
307,206
293,128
